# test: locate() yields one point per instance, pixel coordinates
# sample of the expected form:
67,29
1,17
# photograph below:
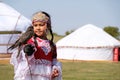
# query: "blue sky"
71,14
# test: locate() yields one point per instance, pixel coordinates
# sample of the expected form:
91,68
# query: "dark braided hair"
49,25
52,36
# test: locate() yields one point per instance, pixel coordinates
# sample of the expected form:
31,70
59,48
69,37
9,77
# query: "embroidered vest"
43,49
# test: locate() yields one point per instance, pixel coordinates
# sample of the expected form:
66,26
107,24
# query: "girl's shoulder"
31,40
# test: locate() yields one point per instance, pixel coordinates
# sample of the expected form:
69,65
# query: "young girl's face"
40,28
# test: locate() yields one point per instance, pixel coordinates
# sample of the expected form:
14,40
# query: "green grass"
6,72
91,71
82,70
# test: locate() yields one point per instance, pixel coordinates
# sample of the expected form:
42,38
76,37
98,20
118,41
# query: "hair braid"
53,47
52,37
36,44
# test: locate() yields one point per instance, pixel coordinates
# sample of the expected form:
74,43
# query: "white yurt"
88,42
10,20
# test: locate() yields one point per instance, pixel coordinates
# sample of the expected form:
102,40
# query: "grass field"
91,71
75,70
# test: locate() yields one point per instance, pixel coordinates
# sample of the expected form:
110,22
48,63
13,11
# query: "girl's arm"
57,67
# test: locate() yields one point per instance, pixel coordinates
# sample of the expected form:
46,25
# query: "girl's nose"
38,27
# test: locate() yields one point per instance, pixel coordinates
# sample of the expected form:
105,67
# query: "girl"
36,56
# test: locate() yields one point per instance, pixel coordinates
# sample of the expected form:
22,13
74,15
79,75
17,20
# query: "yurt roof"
88,36
11,20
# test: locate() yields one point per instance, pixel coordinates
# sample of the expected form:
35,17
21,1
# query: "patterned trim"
41,61
85,47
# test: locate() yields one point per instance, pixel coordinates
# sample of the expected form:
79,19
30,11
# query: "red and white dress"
39,65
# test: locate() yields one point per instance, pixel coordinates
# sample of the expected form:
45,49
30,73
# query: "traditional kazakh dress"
39,65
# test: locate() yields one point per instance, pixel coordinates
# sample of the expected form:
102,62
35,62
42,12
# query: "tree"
69,32
113,31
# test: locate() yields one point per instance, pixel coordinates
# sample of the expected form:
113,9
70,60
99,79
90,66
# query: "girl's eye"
39,24
35,24
42,24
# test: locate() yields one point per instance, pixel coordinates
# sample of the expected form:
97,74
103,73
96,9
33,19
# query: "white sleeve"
57,65
13,59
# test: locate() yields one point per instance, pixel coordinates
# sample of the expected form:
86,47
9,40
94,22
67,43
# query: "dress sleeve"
56,64
16,60
54,57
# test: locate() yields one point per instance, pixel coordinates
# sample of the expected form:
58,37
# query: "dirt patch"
5,55
4,60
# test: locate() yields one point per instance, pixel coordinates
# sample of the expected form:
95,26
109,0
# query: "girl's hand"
29,49
55,73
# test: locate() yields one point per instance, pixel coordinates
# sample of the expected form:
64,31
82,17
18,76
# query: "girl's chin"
39,34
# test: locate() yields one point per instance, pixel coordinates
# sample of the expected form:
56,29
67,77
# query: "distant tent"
87,43
10,20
